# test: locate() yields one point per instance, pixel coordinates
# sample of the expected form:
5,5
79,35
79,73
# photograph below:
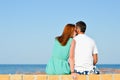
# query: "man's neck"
81,33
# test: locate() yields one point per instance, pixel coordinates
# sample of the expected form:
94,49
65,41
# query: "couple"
73,52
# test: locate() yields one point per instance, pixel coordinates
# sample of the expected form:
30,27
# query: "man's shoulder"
90,39
84,37
75,37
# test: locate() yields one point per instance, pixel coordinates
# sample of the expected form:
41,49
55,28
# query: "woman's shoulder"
56,42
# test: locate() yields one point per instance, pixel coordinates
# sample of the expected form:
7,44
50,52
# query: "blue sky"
28,28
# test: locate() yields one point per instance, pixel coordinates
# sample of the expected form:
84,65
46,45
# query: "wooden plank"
106,76
28,77
53,77
66,77
116,76
15,77
4,77
81,77
94,77
41,77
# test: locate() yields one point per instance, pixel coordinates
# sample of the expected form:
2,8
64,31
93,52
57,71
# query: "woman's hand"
74,76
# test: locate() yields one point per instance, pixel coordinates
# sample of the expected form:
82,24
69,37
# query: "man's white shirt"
84,48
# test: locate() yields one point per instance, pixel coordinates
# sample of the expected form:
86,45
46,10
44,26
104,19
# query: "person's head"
81,27
68,32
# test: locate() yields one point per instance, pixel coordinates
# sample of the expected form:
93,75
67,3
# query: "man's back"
84,49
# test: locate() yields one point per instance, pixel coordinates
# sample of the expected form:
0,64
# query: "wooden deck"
59,77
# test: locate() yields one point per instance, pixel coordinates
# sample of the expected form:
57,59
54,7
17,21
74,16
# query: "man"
83,52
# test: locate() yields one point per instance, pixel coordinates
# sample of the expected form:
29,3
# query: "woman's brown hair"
67,33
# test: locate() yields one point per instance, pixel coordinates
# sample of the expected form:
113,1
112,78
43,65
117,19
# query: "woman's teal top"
58,64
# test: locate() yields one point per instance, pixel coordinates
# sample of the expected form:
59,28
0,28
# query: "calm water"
32,68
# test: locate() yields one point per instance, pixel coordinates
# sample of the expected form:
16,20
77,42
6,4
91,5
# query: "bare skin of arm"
95,59
71,57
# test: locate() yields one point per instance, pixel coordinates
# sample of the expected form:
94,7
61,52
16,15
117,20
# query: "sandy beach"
109,71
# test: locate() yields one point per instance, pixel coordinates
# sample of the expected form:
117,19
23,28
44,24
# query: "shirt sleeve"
95,50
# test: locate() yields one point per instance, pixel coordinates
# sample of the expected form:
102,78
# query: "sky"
28,28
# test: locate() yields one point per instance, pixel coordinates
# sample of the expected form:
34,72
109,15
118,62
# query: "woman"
58,63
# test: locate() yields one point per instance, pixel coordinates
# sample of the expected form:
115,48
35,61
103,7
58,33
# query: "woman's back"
58,63
61,51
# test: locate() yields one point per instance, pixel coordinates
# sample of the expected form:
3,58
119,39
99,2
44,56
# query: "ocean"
40,68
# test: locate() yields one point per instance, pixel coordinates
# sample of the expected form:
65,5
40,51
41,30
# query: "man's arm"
71,57
95,58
